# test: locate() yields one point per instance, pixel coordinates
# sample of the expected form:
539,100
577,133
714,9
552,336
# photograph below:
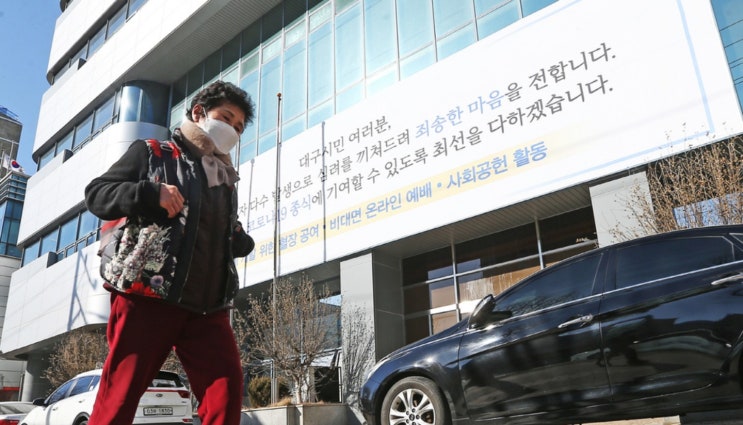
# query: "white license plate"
150,411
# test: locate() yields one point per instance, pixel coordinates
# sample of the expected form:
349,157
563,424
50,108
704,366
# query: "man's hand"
171,199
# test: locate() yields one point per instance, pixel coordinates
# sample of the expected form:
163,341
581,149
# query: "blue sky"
26,30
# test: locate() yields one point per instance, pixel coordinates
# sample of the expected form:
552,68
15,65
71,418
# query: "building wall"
650,100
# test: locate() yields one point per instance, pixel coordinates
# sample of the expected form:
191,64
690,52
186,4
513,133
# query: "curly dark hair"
220,92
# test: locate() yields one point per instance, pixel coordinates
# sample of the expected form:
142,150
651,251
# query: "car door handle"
728,279
579,320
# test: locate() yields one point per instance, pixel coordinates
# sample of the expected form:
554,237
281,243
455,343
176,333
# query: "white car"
166,401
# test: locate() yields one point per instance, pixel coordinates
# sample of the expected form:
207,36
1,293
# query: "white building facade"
429,151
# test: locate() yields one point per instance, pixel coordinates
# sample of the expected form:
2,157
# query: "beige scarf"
218,167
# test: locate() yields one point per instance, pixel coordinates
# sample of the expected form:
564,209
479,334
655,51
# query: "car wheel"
83,421
413,401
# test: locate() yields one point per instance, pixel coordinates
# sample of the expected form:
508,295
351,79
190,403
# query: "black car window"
60,392
556,285
659,259
83,385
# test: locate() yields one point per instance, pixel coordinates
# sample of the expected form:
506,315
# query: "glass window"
348,47
269,88
103,114
319,56
563,283
134,6
530,6
319,114
81,54
130,101
428,266
498,19
295,82
450,15
49,241
295,34
82,385
567,229
212,66
266,142
97,41
88,224
350,97
442,321
116,21
456,41
83,131
476,285
381,81
292,128
61,392
65,142
46,157
320,15
483,6
499,248
416,328
31,252
248,144
729,17
660,259
68,233
417,62
415,25
380,45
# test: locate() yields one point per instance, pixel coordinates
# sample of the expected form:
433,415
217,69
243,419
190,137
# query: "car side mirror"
483,313
39,402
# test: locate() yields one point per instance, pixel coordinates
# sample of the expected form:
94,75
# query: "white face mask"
222,134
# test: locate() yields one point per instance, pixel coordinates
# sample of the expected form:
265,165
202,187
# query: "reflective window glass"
88,224
65,142
557,285
248,144
348,45
483,6
644,262
212,66
134,6
456,41
292,128
49,241
269,88
530,6
103,114
476,285
416,328
295,82
46,157
319,114
31,252
320,72
97,41
450,15
428,266
415,25
381,49
443,321
417,62
116,21
498,19
83,131
68,233
349,97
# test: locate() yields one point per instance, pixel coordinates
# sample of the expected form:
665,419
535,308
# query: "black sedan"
647,328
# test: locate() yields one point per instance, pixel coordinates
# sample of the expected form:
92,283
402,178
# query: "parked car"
11,412
166,401
645,328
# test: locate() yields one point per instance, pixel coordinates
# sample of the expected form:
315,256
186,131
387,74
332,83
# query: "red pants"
141,333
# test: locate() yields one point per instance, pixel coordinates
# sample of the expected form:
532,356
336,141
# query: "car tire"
414,401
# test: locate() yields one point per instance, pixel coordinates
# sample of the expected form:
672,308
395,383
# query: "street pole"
276,245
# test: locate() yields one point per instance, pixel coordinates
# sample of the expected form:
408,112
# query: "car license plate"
150,411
